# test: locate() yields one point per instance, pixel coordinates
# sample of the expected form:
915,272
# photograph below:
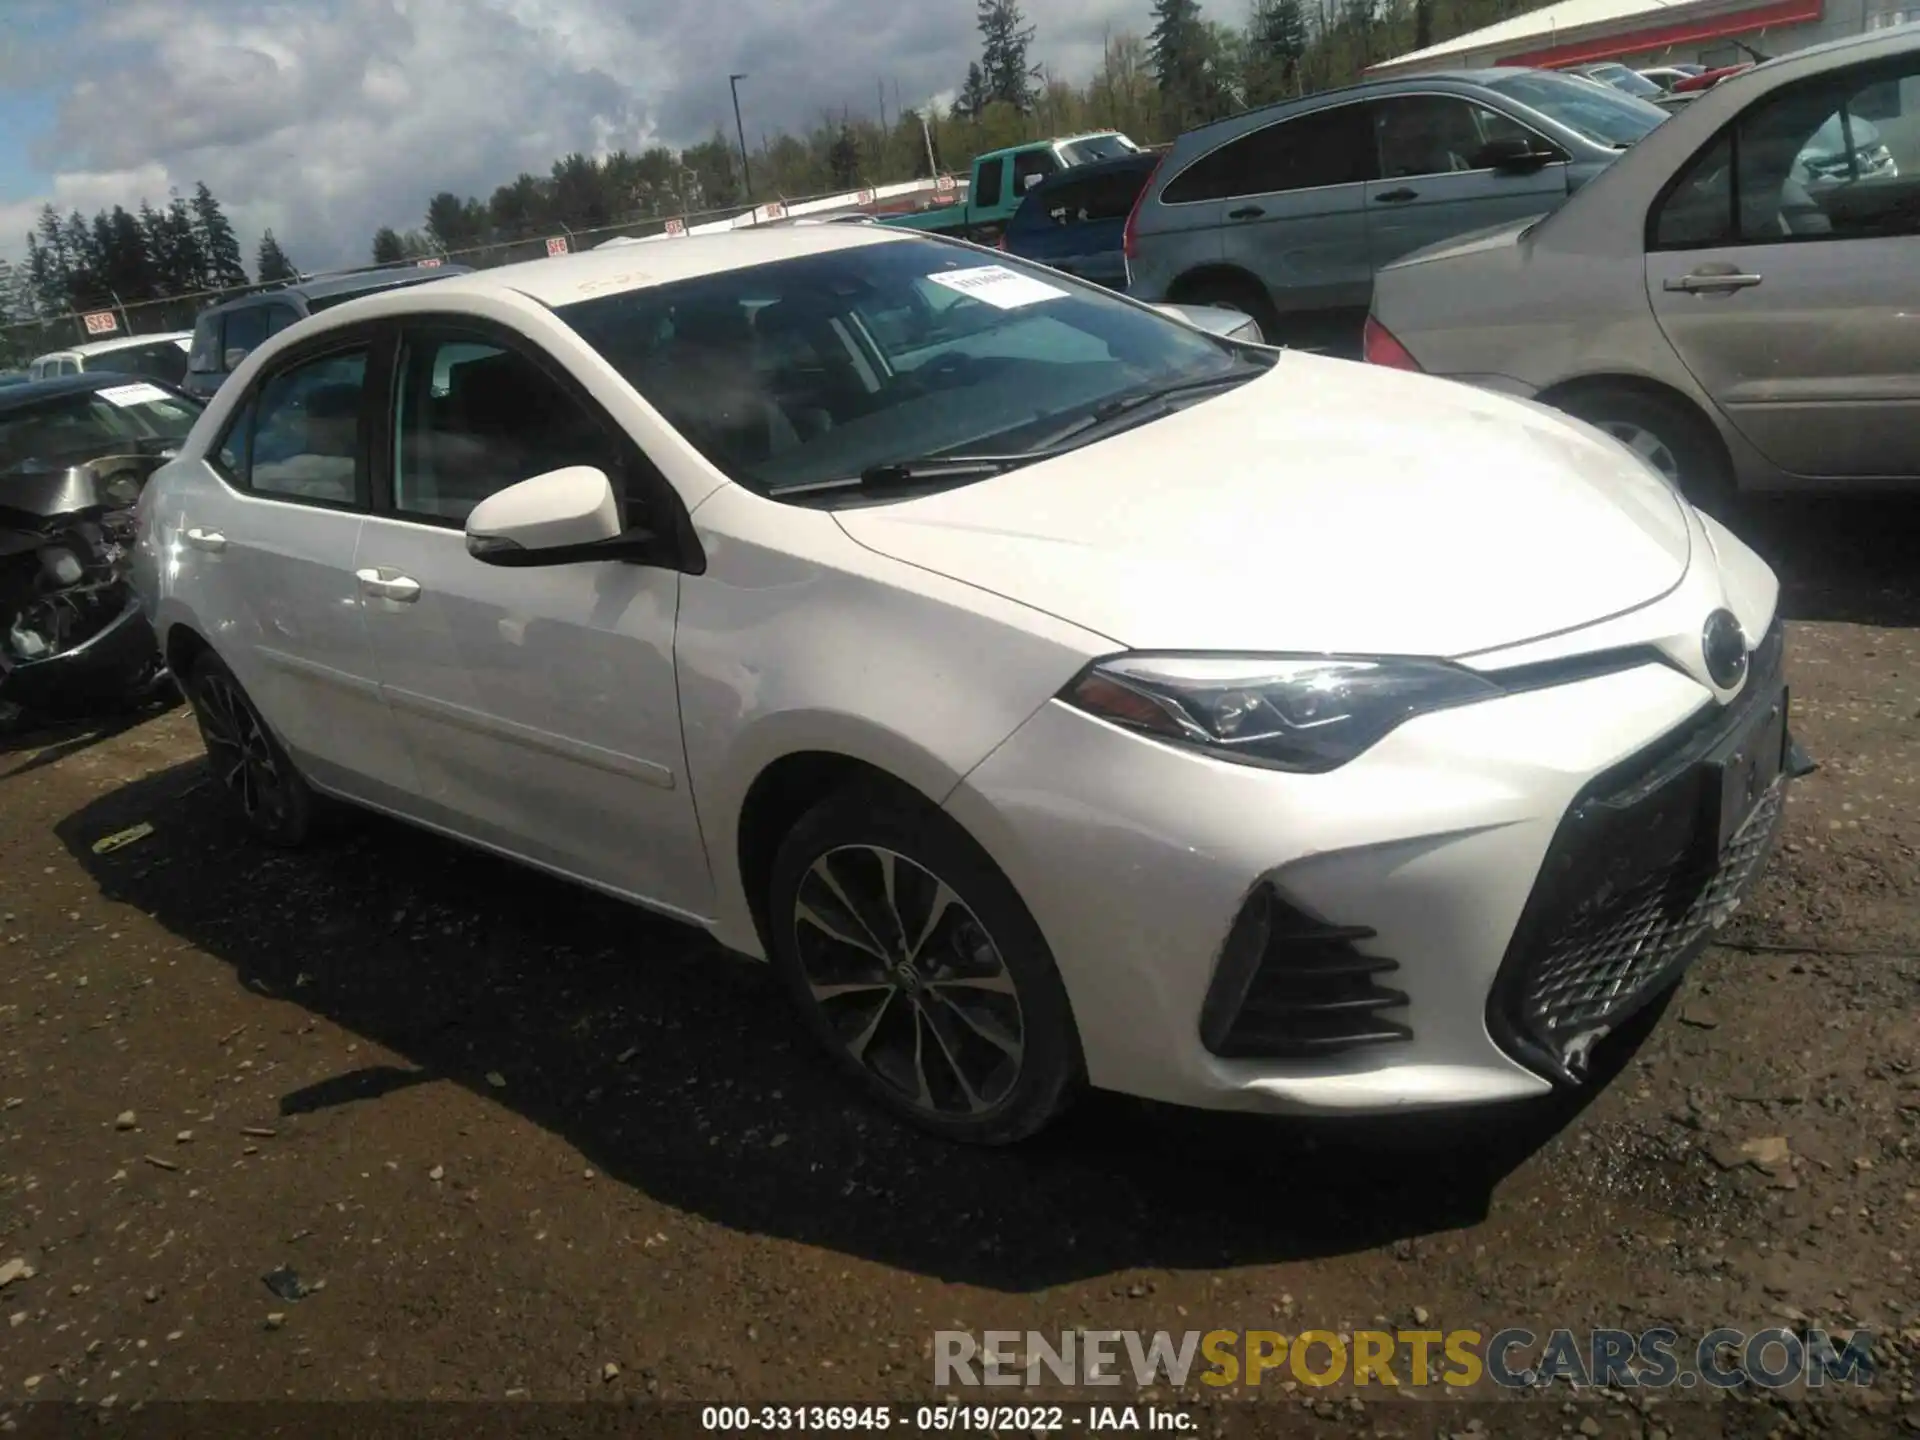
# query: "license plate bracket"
1744,766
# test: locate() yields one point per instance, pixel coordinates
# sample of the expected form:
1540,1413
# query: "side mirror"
1512,155
563,517
1030,181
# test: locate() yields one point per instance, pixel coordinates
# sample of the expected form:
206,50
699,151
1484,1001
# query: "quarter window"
307,439
475,418
1328,147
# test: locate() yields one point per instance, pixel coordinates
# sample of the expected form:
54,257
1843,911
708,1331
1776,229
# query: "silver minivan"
1285,213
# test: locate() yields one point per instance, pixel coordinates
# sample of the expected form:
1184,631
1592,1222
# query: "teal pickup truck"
1001,179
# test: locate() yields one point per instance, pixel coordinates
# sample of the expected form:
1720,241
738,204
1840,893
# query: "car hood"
1325,507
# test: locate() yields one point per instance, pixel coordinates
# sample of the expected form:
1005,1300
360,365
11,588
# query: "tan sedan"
1737,298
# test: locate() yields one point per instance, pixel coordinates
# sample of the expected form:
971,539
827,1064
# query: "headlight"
1304,713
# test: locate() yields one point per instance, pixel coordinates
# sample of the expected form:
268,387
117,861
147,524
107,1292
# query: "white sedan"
1054,694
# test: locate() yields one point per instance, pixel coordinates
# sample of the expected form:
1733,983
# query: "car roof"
562,279
1384,85
125,342
18,397
1143,162
354,282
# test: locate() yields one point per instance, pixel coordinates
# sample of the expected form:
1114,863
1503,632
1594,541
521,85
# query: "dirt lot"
515,1135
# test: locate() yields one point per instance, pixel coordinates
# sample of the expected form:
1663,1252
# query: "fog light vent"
1290,986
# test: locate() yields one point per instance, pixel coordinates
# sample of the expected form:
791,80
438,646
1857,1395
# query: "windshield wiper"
911,472
1114,409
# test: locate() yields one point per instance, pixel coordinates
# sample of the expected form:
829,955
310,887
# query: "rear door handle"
403,588
1397,197
1697,282
1246,212
209,540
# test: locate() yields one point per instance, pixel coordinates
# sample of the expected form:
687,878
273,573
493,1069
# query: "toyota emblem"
1723,645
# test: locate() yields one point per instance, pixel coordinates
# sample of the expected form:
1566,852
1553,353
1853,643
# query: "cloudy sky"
325,119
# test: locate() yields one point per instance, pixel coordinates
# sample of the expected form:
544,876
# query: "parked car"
1741,323
225,334
1620,77
1707,79
160,357
1001,180
1053,693
1667,76
14,377
74,453
1285,213
1074,221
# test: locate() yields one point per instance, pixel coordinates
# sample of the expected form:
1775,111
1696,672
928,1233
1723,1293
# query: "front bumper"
1426,891
112,664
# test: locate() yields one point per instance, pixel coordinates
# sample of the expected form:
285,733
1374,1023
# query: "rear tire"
246,759
1664,432
916,964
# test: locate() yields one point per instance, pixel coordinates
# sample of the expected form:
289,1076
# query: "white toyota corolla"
1054,693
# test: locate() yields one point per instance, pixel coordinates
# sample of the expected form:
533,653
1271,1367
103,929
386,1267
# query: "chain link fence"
20,343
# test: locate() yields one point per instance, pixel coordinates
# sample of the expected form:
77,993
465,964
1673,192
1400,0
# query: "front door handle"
1246,212
403,588
1708,282
211,541
1397,197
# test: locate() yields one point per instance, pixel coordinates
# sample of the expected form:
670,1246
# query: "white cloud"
327,118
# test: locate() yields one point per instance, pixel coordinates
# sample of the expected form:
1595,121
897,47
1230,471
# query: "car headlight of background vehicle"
1307,713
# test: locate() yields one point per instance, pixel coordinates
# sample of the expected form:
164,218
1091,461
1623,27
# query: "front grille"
1631,889
1290,986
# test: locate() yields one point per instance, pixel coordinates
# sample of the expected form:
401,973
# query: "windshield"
70,429
1603,115
823,367
1097,147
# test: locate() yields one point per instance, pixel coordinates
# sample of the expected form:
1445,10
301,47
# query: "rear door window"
986,184
1334,146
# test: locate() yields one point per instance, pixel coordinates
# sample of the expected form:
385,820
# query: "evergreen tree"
974,98
1006,74
188,272
272,262
1276,42
1180,46
218,244
388,246
843,159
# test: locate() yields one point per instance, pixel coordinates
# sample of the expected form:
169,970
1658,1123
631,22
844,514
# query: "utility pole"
746,175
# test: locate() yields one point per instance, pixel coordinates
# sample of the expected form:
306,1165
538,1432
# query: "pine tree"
973,98
843,159
1005,72
388,246
1179,45
187,259
1276,42
272,262
218,243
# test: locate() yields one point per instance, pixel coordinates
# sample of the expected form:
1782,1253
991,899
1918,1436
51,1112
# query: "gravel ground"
523,1141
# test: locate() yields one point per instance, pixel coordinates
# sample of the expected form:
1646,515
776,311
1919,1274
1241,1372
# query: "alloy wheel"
909,980
1647,445
240,752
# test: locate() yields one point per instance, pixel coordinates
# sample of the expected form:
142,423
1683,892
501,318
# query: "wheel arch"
1563,392
1200,277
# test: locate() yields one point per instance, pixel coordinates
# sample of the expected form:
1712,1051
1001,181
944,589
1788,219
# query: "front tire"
917,966
1666,434
246,759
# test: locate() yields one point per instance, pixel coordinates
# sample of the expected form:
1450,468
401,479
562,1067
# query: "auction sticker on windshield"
998,286
139,394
